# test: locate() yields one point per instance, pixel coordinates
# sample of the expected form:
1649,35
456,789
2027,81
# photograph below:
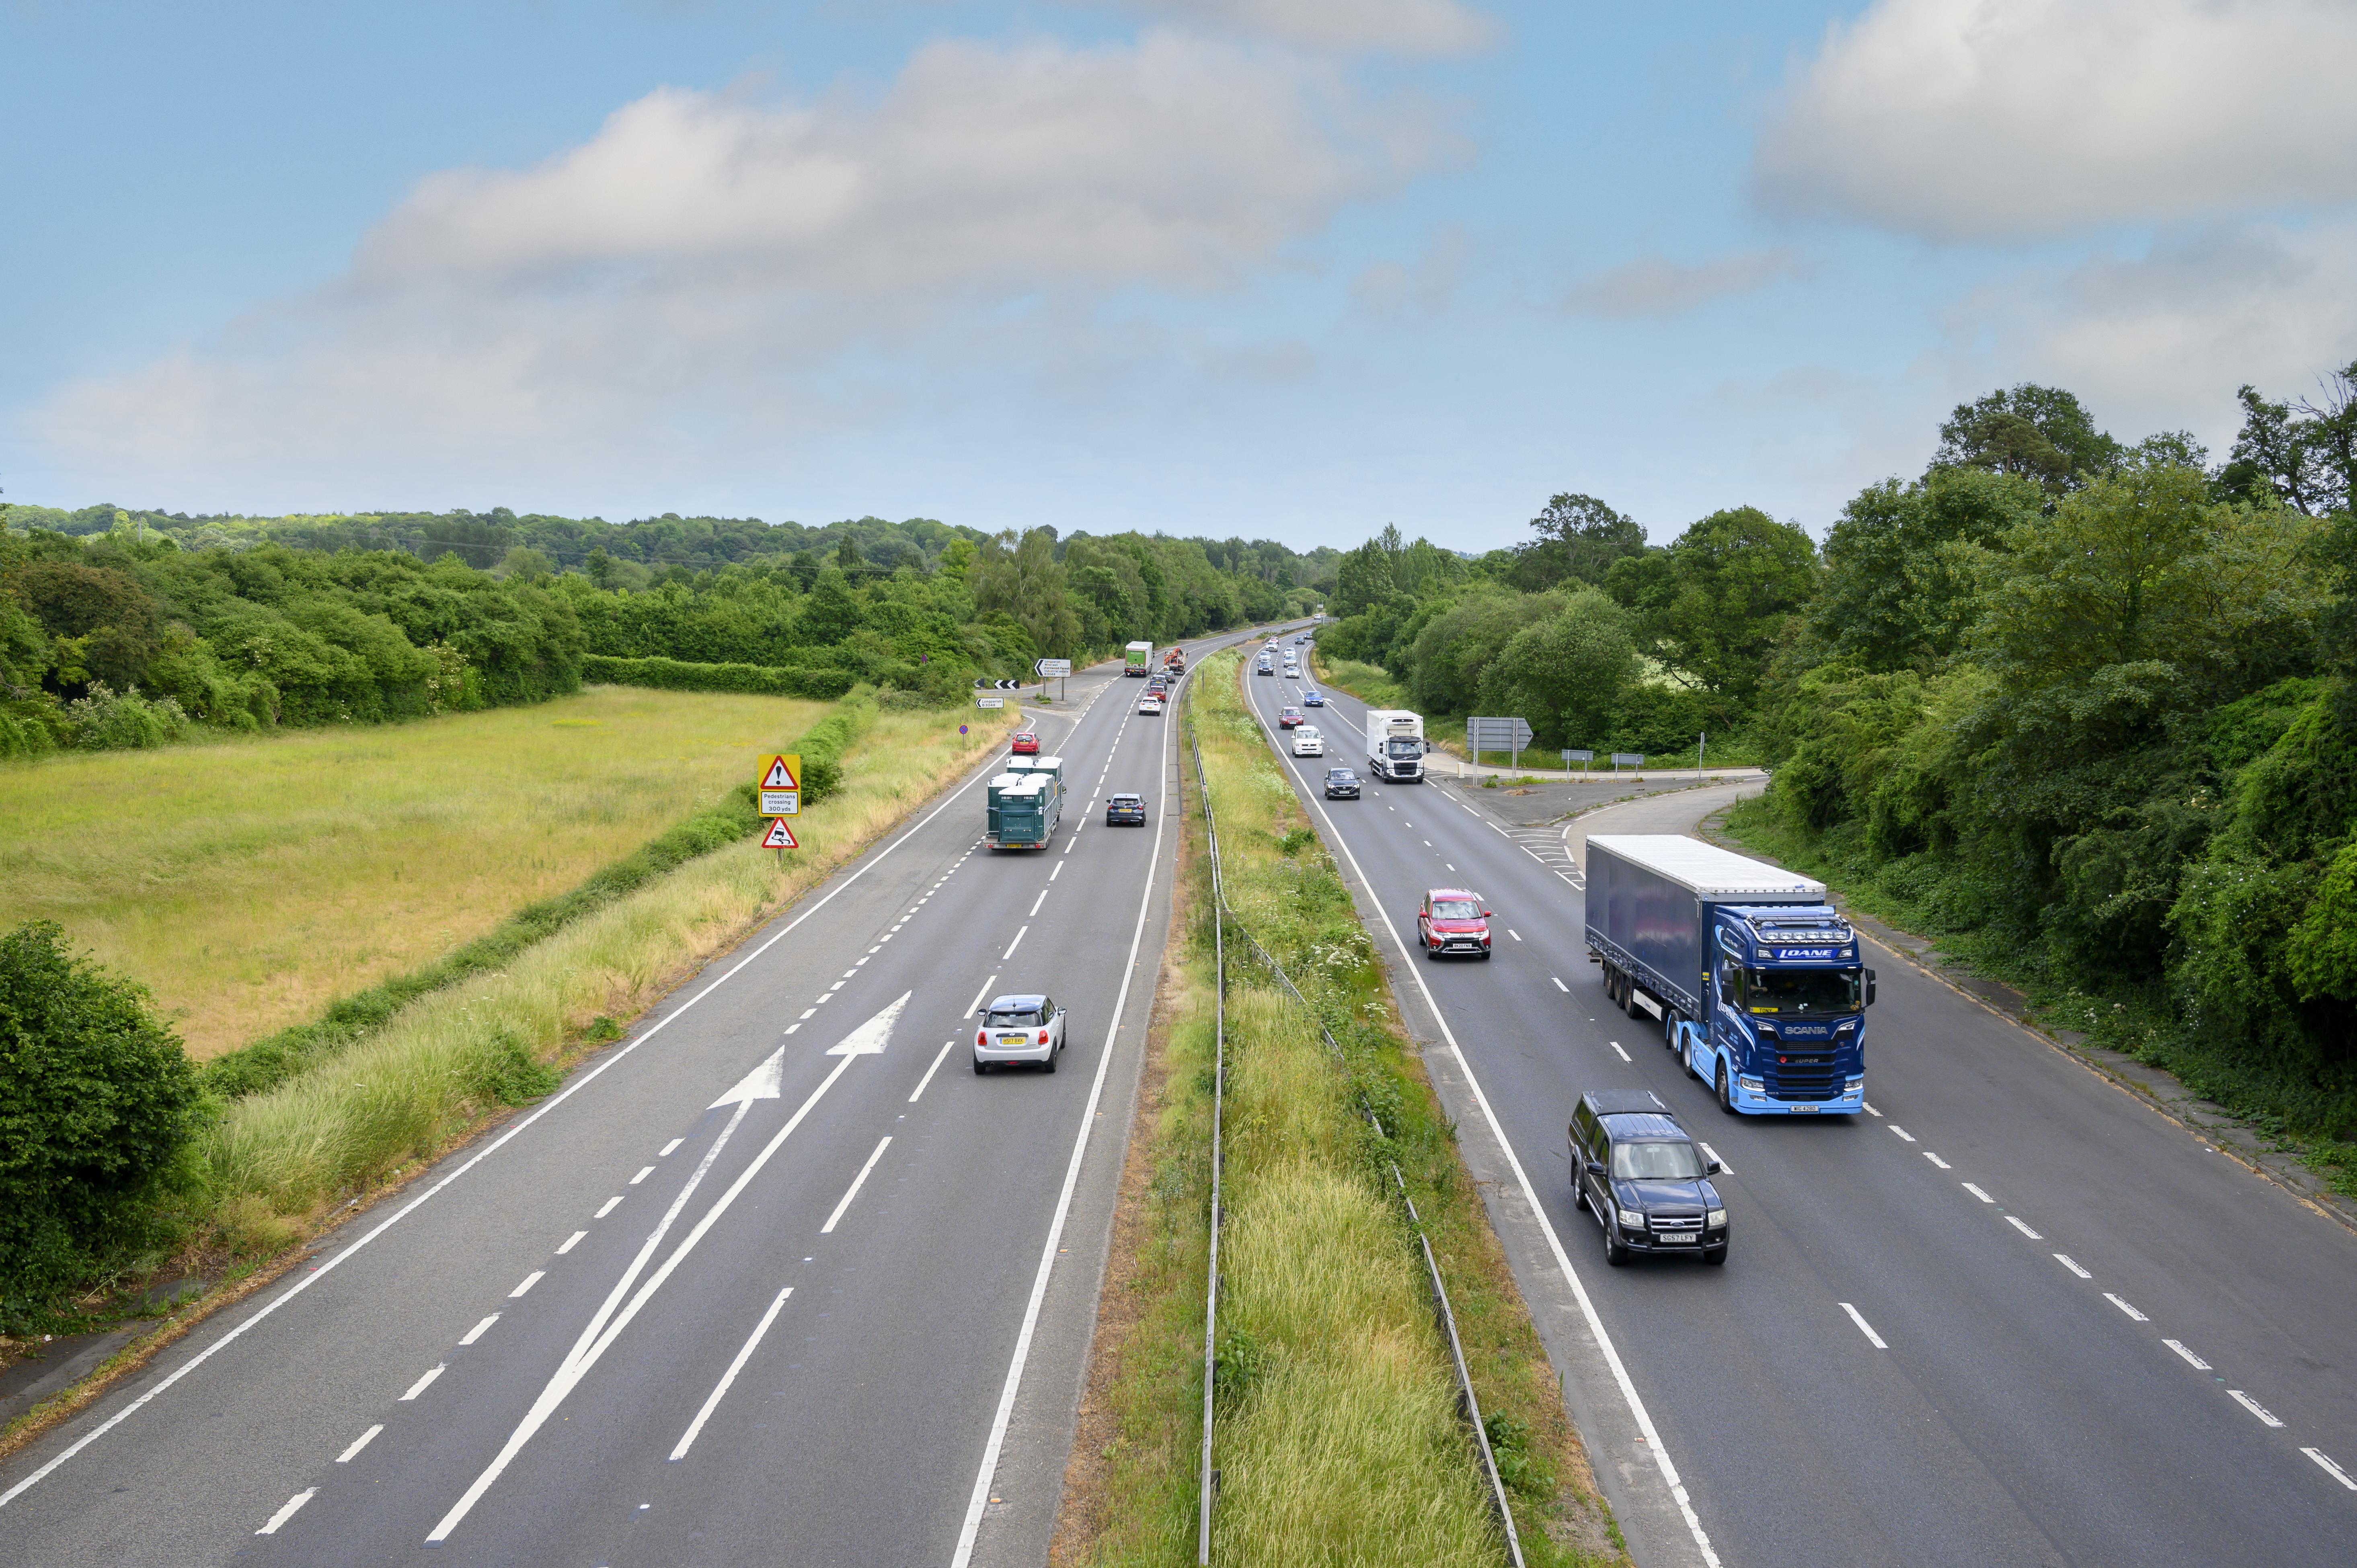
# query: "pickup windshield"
1013,1018
1803,990
1655,1162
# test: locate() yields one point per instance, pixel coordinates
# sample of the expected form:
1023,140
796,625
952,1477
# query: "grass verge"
1337,1437
2136,1021
248,883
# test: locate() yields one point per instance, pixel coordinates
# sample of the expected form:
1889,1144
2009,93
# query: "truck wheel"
1685,1060
1725,1087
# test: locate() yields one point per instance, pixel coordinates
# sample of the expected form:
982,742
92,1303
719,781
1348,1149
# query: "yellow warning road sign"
781,786
779,836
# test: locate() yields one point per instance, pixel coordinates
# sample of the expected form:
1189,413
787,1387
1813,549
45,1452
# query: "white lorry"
1396,745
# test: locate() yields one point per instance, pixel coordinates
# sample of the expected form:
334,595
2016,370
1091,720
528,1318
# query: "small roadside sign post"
1583,755
990,701
1057,670
779,788
1634,759
1497,735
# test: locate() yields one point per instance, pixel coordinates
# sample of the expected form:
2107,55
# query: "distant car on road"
1289,718
1307,741
1266,669
1313,698
1026,743
1125,810
1451,920
1021,1027
1634,1168
1150,705
1342,784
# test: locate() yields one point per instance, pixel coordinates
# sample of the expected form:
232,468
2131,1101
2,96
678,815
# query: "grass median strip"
1336,1432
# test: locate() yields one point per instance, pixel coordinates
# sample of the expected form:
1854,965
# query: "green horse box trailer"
1025,802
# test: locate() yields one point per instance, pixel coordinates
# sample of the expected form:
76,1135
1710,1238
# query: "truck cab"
1396,746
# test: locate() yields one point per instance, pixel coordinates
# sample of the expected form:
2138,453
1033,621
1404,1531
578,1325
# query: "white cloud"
2161,340
1658,288
711,274
1391,26
2004,119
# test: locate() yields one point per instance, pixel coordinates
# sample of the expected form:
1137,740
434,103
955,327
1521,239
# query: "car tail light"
1043,1036
982,1036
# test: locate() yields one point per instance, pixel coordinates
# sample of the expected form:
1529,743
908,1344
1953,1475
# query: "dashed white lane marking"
1618,1052
857,1183
1037,902
1937,1160
848,973
422,1384
975,1005
2193,1361
1870,1111
2133,1314
791,1027
479,1330
939,1057
1711,1154
1013,945
806,1013
665,1152
359,1443
830,995
1559,985
1976,1192
1903,1132
1057,872
2016,1221
570,1242
609,1208
526,1283
2071,1264
287,1512
2254,1406
644,1172
729,1377
836,986
1513,933
2332,1469
1864,1326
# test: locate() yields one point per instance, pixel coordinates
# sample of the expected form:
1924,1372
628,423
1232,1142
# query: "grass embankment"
2134,1021
248,884
1337,1437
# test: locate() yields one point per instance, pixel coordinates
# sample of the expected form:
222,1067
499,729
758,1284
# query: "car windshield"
1803,990
1655,1161
1015,1018
1456,909
1339,775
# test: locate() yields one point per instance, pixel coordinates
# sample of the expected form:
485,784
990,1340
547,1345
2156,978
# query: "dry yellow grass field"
248,883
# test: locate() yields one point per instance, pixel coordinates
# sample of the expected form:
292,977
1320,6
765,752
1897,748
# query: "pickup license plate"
1674,1240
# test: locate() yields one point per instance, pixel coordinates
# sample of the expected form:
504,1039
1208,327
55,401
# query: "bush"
97,1104
818,684
104,721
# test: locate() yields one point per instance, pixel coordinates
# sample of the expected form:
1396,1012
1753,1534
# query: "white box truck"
1138,660
1396,745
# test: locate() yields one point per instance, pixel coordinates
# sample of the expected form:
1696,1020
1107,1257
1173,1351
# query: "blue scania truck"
1755,978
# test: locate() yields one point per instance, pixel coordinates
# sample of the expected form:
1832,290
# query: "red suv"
1451,920
1026,743
1288,718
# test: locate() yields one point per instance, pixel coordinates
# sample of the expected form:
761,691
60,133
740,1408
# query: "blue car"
1313,699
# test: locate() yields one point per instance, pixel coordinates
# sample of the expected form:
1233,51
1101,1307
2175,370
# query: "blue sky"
1292,268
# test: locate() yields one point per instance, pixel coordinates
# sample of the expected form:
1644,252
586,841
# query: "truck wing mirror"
1870,988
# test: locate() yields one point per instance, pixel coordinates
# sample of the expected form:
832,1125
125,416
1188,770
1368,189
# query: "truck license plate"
1804,1111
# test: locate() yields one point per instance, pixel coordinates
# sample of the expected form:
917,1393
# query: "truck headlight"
1631,1220
1753,1084
1854,1085
1714,1218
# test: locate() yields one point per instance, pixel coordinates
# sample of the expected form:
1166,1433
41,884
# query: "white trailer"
1396,745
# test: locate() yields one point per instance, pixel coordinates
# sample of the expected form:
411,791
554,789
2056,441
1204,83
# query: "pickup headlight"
1714,1218
1631,1220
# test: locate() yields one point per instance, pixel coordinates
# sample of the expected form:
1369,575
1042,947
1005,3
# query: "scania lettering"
1394,744
1755,978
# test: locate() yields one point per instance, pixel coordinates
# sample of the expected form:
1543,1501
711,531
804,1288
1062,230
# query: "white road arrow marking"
868,1039
761,1083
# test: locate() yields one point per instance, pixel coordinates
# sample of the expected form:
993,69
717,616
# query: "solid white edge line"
857,1183
729,1377
2332,1469
289,1511
1864,1326
362,1441
1611,1353
941,1057
964,1554
493,1147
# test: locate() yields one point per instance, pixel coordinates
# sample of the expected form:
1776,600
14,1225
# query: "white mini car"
1307,741
1019,1028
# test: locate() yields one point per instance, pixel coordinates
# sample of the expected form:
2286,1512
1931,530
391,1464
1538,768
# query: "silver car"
1020,1027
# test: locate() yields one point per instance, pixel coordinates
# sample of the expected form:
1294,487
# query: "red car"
1451,920
1288,718
1026,743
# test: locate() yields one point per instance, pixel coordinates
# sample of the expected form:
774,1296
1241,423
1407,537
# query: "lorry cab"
1788,993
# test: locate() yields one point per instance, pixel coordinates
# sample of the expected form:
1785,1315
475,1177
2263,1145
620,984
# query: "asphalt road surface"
2013,1316
777,1279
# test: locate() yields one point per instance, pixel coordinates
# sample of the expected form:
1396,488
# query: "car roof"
1018,1000
1452,893
1623,1102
